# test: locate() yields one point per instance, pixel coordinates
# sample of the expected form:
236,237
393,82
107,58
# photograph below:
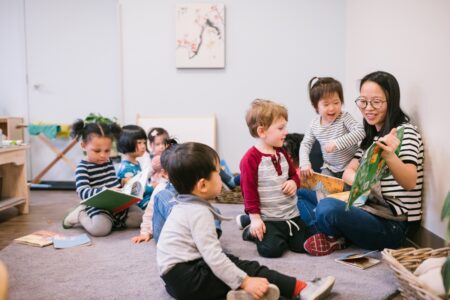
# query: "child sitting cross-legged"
94,174
190,258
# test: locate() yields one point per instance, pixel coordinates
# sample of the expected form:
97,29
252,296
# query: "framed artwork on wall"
200,35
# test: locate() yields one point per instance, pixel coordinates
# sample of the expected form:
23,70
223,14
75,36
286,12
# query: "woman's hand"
257,226
306,171
289,187
255,286
389,144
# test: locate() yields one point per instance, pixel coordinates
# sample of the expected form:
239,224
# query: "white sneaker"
273,293
318,288
72,218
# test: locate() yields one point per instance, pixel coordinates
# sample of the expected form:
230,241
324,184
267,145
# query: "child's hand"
306,171
116,189
141,238
255,286
330,147
156,163
257,226
388,143
289,187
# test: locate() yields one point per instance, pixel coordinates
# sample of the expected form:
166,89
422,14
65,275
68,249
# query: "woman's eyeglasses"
375,102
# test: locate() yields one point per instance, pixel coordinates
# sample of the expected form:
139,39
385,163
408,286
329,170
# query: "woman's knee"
329,212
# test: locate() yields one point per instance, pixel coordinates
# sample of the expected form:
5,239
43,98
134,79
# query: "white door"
73,69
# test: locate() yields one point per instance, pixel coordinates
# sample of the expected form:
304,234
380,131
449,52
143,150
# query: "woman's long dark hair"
394,114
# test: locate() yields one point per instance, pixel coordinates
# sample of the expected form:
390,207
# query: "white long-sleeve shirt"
345,131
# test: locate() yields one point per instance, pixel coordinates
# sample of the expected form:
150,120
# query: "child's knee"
99,231
270,251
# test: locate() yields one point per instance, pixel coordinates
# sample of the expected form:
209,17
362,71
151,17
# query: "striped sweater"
344,131
91,179
400,200
262,176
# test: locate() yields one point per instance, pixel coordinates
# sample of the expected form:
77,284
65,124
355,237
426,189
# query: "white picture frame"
200,35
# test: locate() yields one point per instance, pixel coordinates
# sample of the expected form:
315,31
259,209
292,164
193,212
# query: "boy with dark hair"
190,258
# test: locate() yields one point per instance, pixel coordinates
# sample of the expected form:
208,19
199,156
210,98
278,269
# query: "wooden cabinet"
14,188
12,127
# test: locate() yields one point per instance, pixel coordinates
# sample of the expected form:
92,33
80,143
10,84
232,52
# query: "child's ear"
83,145
261,131
201,186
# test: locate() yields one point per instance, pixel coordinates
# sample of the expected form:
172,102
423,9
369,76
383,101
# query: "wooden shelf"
11,202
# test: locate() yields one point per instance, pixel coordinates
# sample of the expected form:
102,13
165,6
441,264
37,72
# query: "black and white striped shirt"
400,200
345,131
91,179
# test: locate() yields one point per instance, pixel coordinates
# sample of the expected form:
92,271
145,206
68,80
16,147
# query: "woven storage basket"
404,261
230,196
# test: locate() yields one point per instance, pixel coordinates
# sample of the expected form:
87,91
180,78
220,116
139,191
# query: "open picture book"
371,170
117,201
358,260
323,184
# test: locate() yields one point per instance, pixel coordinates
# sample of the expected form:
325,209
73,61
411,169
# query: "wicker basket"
230,196
404,261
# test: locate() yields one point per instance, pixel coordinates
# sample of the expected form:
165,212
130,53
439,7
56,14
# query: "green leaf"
445,271
446,209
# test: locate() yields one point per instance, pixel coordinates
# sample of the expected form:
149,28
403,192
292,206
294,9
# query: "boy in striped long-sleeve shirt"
94,174
337,132
269,183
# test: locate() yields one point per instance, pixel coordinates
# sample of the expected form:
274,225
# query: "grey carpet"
114,268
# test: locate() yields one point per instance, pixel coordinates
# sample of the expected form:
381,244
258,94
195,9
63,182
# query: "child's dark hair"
128,138
394,114
157,131
323,86
86,130
166,154
190,162
292,145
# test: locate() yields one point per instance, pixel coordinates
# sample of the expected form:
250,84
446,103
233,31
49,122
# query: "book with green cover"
116,201
372,169
112,200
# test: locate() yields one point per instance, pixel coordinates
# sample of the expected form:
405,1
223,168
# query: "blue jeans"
361,228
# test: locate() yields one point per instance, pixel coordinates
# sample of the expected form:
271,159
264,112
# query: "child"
158,138
165,193
133,144
190,258
94,174
269,183
337,132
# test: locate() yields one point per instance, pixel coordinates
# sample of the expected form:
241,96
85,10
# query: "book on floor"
371,170
119,200
323,183
39,238
62,242
359,260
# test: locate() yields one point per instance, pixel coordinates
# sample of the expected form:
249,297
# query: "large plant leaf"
445,271
446,209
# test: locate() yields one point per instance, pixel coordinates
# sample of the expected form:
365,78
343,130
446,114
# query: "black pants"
281,236
195,280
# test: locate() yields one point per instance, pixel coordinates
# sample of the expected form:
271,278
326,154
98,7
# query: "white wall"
272,50
411,40
13,98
